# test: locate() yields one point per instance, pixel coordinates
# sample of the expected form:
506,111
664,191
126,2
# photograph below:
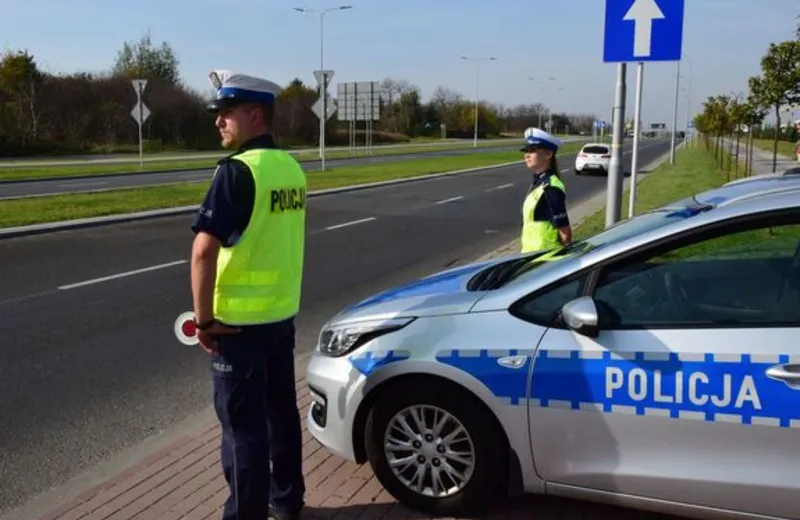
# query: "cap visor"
220,104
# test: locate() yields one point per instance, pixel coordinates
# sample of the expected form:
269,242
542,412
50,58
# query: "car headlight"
338,340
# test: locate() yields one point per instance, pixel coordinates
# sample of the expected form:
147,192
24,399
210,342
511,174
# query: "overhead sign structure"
324,77
643,30
359,101
140,113
637,31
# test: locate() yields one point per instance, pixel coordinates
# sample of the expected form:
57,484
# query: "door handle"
789,374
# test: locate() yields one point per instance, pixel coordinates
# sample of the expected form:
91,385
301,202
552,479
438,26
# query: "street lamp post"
477,90
323,89
688,94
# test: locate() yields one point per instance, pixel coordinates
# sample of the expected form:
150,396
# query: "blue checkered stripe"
723,388
507,384
370,361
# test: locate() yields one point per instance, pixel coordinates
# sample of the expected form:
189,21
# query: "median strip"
24,172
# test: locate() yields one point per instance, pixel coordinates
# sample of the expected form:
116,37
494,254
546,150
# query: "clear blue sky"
416,40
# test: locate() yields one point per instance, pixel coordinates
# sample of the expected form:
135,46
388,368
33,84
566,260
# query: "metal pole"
141,124
635,158
675,112
614,191
477,95
323,90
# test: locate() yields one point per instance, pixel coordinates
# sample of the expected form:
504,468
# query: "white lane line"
122,275
501,187
451,199
352,223
565,170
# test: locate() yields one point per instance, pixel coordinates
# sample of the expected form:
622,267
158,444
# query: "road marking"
501,187
451,199
352,223
565,170
83,183
122,275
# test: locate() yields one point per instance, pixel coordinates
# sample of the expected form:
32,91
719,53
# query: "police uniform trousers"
256,403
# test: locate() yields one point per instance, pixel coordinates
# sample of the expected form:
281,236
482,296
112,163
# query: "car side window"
739,278
543,307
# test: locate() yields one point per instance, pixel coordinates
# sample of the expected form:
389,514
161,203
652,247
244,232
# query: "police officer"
246,273
545,223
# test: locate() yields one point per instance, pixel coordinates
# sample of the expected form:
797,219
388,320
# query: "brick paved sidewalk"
184,481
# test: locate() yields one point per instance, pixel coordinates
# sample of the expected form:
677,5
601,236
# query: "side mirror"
580,315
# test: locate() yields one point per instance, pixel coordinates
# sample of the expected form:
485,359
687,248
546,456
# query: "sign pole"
141,123
636,130
637,31
675,112
614,191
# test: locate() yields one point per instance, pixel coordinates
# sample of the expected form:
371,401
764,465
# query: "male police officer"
545,222
247,264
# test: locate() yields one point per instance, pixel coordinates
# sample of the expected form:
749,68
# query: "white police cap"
234,88
537,138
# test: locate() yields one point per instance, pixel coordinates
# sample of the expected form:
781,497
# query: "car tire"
577,171
489,449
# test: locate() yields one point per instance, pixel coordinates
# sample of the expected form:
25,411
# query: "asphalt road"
13,189
90,363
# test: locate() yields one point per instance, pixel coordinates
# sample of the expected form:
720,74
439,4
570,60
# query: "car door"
690,389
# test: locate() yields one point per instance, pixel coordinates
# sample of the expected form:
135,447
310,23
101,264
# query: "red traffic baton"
185,329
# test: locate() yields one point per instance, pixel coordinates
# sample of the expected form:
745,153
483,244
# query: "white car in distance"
593,157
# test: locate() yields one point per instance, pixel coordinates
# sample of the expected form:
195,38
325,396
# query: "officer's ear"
265,114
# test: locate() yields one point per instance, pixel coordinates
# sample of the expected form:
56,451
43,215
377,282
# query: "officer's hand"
208,339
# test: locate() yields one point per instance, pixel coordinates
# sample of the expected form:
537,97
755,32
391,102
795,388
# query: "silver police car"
655,365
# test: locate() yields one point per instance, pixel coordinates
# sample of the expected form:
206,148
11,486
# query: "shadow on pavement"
529,507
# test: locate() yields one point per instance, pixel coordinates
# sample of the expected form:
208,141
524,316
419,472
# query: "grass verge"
42,172
694,171
54,208
785,148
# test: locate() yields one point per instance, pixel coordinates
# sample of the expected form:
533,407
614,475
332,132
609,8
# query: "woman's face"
537,159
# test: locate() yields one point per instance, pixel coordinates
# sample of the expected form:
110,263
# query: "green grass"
785,148
40,172
694,171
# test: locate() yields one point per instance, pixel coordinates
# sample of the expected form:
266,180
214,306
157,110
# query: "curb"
36,229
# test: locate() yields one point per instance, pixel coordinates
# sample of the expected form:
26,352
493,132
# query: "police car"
655,365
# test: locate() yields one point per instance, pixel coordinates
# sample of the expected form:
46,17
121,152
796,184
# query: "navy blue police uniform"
254,377
552,206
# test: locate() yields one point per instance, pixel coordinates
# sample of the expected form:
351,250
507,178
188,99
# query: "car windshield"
625,229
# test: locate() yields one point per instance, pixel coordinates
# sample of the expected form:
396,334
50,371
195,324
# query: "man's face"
235,125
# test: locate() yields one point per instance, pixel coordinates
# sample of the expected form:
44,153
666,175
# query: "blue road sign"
599,124
643,30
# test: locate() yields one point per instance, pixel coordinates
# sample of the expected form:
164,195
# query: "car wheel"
438,451
577,171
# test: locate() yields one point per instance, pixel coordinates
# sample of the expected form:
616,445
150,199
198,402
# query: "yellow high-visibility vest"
539,234
259,278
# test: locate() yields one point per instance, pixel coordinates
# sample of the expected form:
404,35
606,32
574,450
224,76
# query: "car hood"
439,294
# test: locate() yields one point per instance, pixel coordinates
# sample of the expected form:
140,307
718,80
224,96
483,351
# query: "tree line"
734,116
81,112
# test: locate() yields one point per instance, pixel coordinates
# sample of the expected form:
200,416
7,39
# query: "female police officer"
545,223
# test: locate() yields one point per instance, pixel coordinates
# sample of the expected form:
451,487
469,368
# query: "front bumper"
336,389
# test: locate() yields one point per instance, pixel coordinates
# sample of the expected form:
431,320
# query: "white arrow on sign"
642,13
